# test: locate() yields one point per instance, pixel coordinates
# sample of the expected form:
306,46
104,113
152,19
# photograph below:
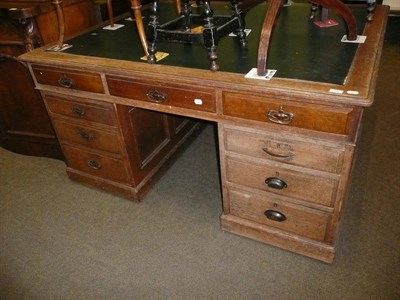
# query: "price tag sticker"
159,56
336,91
253,74
114,27
359,40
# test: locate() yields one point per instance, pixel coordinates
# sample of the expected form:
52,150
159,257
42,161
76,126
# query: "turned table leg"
265,37
136,7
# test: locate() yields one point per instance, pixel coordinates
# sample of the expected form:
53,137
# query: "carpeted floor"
62,240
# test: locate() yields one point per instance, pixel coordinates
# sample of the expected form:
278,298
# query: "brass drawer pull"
77,111
156,96
65,81
280,116
85,135
276,183
279,150
94,165
275,215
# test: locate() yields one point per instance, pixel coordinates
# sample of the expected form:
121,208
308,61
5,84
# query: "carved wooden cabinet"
24,25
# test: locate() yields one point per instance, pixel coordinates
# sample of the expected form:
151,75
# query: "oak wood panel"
151,133
150,138
316,117
197,98
303,186
299,220
84,81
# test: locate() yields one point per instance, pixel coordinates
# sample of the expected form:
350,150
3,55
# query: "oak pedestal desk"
286,145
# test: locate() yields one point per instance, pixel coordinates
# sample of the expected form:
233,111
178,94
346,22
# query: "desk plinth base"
274,237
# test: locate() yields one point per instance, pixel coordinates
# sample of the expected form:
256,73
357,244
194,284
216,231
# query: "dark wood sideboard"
24,25
287,145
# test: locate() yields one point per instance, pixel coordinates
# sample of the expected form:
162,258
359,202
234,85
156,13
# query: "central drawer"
196,98
282,181
303,221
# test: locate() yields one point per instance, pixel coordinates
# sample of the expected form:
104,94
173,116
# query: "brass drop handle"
77,111
85,135
280,116
275,183
279,150
156,96
275,215
65,81
94,165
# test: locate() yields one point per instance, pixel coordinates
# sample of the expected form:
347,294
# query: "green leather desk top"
299,49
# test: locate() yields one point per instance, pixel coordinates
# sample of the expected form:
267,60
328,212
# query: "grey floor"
62,240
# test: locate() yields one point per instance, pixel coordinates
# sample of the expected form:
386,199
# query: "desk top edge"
361,78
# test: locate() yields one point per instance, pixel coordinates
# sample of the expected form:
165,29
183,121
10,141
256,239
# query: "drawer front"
87,136
314,117
102,113
186,97
306,222
69,79
97,165
282,181
290,151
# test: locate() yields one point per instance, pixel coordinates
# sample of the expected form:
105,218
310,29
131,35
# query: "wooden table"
286,145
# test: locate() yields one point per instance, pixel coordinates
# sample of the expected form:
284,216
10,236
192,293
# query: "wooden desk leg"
186,13
152,32
265,37
32,37
237,12
371,5
209,34
136,7
110,13
61,25
178,6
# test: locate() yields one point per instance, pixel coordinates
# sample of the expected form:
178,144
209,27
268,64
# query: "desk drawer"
309,154
282,181
96,165
69,79
315,117
87,136
163,93
291,218
81,109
